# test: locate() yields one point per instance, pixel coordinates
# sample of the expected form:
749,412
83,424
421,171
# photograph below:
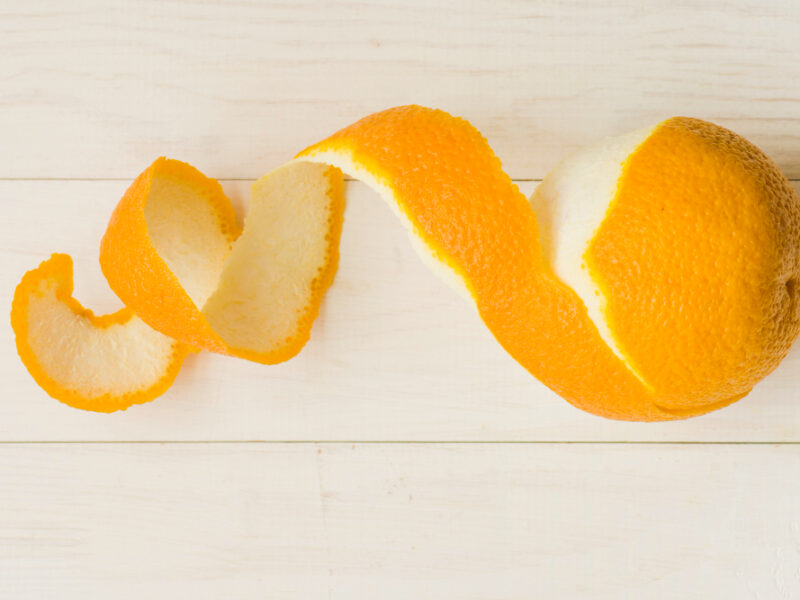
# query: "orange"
708,229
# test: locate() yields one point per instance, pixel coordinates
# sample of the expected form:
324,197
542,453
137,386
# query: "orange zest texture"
654,278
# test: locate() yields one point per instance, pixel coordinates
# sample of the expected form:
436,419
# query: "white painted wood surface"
241,86
400,521
90,93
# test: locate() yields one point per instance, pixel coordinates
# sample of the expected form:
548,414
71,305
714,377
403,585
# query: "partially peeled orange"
651,277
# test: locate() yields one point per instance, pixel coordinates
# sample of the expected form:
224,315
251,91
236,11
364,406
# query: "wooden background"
402,454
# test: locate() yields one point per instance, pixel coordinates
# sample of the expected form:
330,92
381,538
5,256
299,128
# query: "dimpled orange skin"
145,284
453,189
58,268
699,259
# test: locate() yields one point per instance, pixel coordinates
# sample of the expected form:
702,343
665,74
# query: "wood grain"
90,89
409,521
395,354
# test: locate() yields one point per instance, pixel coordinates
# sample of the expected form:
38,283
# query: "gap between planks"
346,178
410,442
103,179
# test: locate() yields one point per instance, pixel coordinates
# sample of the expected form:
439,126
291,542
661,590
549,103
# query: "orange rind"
98,363
651,277
173,255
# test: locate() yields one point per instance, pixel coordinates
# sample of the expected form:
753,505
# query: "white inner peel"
184,229
429,256
125,357
255,291
267,279
570,204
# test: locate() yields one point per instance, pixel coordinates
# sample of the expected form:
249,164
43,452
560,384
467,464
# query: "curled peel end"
98,363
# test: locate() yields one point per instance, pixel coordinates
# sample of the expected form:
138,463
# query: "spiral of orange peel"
653,276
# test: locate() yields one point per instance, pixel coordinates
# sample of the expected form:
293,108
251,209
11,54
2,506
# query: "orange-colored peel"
147,271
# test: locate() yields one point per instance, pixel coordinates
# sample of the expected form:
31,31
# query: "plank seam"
222,179
410,442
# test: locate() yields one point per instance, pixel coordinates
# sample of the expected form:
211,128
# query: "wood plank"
399,521
395,354
93,90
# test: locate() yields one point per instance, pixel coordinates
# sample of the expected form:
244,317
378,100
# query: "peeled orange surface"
651,277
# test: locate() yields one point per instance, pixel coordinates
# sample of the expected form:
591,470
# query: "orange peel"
253,295
651,277
100,363
175,256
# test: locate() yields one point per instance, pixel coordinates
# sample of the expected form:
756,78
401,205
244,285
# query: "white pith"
255,291
570,204
184,228
93,361
266,281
